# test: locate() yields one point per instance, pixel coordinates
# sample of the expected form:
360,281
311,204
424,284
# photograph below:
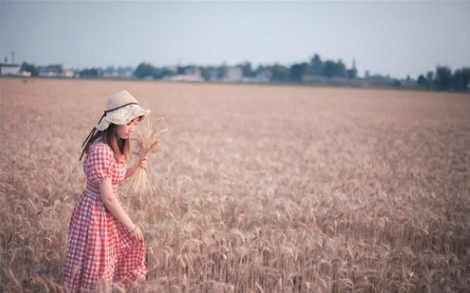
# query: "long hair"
120,147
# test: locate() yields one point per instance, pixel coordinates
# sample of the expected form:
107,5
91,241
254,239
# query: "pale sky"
396,38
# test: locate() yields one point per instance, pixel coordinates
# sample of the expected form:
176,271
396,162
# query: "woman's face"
125,131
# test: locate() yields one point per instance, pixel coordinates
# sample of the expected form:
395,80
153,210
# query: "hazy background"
390,38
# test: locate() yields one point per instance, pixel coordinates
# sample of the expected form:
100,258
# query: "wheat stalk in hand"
147,142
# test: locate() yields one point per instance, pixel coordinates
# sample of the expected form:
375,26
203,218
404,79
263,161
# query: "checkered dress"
99,250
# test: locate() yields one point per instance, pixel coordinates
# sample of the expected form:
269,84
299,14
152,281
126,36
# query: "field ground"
260,188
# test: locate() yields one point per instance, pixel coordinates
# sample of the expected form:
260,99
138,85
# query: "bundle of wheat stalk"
147,142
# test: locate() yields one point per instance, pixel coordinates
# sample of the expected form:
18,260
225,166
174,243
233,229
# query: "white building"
56,70
9,69
185,77
233,74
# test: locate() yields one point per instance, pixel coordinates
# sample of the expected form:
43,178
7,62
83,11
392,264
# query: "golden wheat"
261,189
148,142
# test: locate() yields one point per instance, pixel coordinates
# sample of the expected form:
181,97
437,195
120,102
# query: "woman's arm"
113,205
142,163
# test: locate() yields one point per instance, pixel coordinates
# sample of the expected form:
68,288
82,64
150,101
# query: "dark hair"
120,147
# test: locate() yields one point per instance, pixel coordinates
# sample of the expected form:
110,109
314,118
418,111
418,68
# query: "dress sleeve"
101,159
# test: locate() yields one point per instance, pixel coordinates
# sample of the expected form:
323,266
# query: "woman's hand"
136,233
143,163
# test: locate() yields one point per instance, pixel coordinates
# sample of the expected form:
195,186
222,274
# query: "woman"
104,245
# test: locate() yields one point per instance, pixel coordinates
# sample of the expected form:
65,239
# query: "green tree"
340,69
466,78
93,72
422,80
460,79
298,71
351,73
333,69
280,73
222,70
260,69
457,80
247,71
208,72
181,70
29,68
429,76
396,83
316,65
443,78
146,70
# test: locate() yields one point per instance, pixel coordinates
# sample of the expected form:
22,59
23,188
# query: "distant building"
233,74
264,76
190,73
184,77
56,70
213,74
193,71
113,74
120,72
171,70
9,69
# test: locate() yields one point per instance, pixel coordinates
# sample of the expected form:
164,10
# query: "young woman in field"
104,245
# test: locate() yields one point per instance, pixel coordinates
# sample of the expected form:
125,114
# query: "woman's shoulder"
101,149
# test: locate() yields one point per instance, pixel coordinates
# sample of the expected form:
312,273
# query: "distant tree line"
297,72
445,80
91,72
86,72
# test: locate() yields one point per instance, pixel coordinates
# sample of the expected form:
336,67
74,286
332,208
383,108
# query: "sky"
396,38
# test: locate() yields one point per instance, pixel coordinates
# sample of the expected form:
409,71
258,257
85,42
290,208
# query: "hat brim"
122,116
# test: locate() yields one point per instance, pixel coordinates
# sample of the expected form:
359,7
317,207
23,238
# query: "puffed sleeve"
100,160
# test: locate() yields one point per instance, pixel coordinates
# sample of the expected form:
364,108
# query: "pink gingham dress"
99,250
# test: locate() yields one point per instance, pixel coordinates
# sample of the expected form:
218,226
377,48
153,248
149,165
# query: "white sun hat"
121,109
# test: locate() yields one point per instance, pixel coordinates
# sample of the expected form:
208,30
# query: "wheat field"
260,188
